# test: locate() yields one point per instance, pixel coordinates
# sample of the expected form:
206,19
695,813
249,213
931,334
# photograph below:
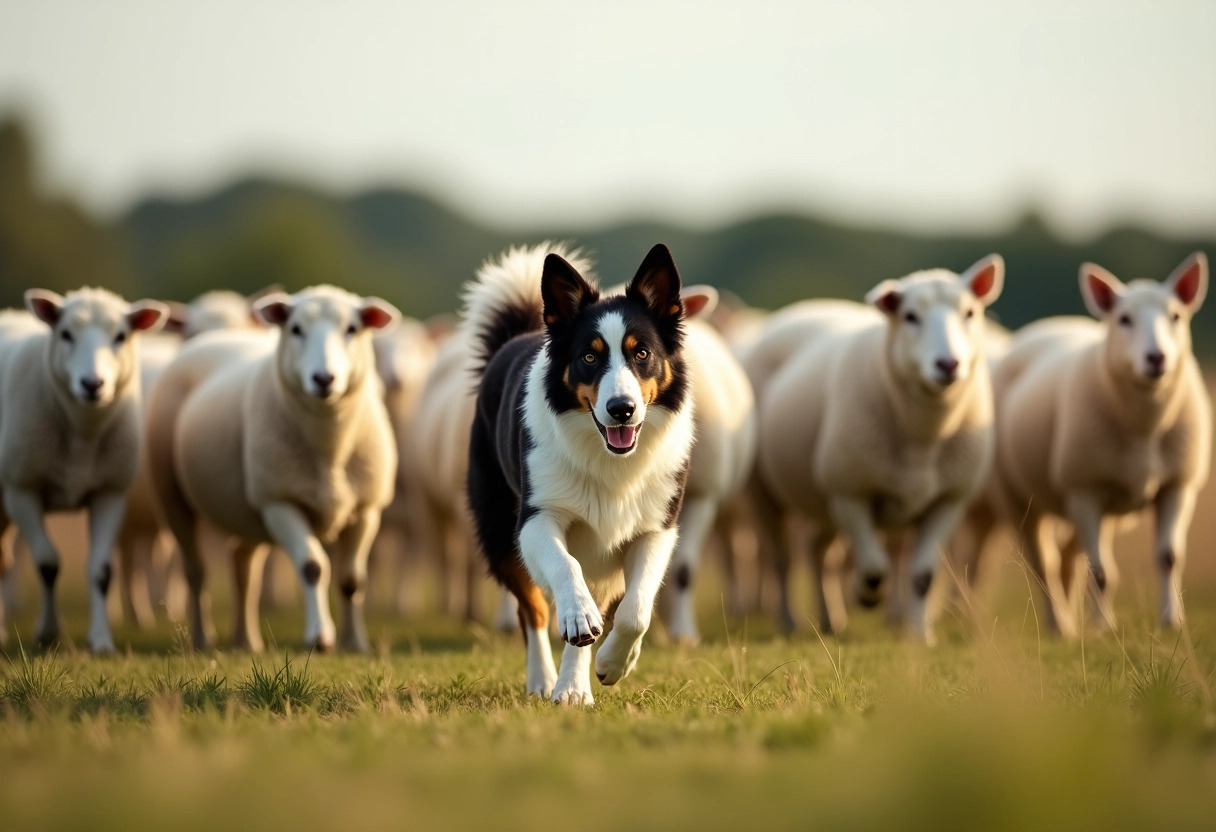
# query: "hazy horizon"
928,117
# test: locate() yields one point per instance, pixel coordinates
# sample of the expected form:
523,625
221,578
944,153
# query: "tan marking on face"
597,344
631,343
674,310
587,395
650,389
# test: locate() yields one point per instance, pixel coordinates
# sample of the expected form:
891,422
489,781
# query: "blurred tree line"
412,250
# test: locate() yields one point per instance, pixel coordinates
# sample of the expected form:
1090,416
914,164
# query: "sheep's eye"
642,355
1125,320
590,358
352,329
970,314
296,331
66,336
120,338
1175,317
912,317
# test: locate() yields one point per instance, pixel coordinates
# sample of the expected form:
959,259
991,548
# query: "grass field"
999,727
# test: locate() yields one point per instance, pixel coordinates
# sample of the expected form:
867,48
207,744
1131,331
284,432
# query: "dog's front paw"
575,694
618,655
579,621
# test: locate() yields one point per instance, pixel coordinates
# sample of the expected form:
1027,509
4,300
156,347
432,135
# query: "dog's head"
614,358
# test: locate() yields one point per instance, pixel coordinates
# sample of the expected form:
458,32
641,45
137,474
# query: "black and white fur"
579,453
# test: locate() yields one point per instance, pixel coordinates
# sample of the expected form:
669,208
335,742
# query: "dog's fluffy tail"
505,300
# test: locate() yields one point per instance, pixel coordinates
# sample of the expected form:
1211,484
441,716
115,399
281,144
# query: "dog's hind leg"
494,510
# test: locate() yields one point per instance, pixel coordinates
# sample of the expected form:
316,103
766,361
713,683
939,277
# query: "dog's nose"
91,385
324,381
621,409
948,368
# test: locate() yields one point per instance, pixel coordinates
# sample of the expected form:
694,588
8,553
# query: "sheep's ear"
273,309
699,300
886,296
986,278
657,284
377,313
1100,288
147,315
1190,281
46,305
175,322
563,291
265,291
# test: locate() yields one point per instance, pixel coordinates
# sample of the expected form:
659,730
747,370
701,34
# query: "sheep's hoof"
323,645
869,590
48,638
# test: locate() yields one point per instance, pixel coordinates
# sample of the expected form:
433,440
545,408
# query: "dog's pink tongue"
621,436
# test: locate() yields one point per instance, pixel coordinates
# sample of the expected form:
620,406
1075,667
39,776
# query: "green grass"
996,728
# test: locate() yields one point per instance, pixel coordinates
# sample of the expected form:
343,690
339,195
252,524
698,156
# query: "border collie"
579,452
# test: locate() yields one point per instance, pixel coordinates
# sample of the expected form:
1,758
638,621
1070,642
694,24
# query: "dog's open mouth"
620,439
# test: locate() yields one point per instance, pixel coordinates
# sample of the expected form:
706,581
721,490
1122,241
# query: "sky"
928,115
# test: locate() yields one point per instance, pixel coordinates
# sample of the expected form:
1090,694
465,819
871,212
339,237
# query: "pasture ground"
999,727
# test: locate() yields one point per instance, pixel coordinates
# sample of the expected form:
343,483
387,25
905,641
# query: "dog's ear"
657,284
564,291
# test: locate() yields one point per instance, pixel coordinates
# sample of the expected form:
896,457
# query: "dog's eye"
66,336
911,317
296,331
1125,320
642,355
590,358
119,339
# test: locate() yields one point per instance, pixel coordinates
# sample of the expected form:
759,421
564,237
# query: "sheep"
69,431
280,439
722,457
440,447
1069,391
144,559
404,358
876,418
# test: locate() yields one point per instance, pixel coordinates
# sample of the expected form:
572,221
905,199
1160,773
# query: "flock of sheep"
311,420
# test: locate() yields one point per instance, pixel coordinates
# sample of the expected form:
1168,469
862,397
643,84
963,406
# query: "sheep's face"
936,321
92,345
325,348
1148,324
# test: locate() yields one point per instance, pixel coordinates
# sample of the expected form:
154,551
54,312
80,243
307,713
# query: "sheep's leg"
134,558
248,562
25,509
833,618
290,530
1043,555
646,563
696,520
351,553
106,510
1175,506
773,549
855,518
1095,534
183,523
7,575
932,534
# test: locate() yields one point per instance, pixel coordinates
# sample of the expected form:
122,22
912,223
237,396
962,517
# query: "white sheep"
282,440
722,457
70,430
877,418
1102,419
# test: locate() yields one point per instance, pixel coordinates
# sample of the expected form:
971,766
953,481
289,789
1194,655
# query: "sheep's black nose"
324,381
1156,360
621,409
948,368
91,385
